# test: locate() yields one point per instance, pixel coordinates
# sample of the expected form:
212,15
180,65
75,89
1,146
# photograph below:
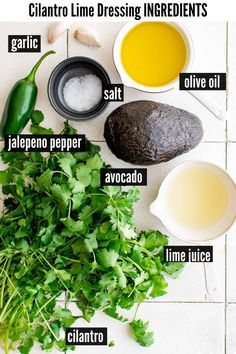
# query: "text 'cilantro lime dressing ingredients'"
82,93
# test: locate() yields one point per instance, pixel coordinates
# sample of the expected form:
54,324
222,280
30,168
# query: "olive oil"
197,198
153,53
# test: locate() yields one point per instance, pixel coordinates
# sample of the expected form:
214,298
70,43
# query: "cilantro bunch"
61,232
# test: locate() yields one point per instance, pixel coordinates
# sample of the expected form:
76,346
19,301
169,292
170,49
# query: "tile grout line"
203,142
226,167
67,56
67,44
171,302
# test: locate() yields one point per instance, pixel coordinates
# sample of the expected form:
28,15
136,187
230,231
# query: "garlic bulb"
87,36
56,29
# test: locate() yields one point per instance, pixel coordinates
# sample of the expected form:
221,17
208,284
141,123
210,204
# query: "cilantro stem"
3,269
61,172
14,304
54,269
142,248
6,345
6,306
24,309
15,313
34,272
134,263
46,303
17,292
44,260
136,310
69,209
69,243
49,214
4,281
15,218
70,259
94,257
46,322
17,169
89,214
24,211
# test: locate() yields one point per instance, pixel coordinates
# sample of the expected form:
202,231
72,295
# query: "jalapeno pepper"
21,102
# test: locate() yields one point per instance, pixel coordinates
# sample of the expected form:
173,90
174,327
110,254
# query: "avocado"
147,132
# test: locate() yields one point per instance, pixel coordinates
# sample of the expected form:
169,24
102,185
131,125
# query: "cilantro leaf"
77,200
65,316
50,277
76,186
139,332
45,179
107,258
61,196
37,130
66,163
91,242
72,225
60,231
68,129
83,175
95,162
114,314
26,346
122,280
173,268
111,190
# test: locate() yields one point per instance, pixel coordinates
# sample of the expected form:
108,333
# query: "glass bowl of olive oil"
149,56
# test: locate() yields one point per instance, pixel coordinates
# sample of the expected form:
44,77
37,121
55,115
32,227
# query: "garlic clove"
87,36
57,29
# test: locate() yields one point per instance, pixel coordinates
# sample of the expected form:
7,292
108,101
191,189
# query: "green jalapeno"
21,102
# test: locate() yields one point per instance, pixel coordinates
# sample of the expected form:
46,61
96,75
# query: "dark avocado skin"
147,132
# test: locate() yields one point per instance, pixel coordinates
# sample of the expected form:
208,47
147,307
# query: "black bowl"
64,71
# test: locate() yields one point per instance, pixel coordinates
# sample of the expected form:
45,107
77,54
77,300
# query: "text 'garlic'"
87,36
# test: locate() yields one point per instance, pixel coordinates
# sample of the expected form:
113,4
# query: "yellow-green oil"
153,53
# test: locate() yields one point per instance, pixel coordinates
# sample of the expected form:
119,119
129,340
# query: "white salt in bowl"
64,72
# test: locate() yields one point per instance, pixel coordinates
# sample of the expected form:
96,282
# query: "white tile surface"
232,81
231,325
178,328
181,327
231,240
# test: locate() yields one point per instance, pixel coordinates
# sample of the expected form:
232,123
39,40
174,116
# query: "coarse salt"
82,93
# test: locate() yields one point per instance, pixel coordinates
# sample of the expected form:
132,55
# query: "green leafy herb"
61,232
111,343
139,332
